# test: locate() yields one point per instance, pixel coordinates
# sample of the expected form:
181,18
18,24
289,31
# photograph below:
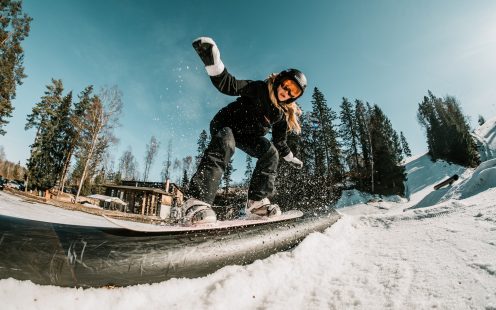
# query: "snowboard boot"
262,208
198,212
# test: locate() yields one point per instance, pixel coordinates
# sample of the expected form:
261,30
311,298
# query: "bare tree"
167,163
74,133
128,165
151,151
177,167
97,127
2,153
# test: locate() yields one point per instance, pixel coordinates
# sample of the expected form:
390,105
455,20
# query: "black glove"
293,161
209,54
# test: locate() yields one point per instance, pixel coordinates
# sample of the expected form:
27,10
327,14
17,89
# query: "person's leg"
205,182
264,174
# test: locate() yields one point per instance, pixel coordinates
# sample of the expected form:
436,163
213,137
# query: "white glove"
209,54
293,161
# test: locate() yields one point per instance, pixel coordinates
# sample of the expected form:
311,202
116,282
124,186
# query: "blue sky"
384,52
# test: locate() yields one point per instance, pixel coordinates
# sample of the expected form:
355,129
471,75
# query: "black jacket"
253,113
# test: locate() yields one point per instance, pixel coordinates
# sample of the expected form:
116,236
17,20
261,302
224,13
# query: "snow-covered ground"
21,207
441,253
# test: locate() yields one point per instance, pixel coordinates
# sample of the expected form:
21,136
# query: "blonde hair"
291,110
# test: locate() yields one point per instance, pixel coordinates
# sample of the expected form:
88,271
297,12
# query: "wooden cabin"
147,198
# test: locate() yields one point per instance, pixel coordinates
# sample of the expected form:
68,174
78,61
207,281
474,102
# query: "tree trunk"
371,162
64,171
86,164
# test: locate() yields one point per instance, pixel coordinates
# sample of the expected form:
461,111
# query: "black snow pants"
206,180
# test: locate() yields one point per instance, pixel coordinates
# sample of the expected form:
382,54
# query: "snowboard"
226,224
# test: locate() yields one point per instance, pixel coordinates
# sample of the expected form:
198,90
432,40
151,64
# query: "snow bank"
483,178
471,183
485,136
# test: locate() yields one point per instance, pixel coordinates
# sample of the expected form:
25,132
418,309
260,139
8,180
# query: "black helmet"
291,74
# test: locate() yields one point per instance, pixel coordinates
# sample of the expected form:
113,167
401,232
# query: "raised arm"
225,82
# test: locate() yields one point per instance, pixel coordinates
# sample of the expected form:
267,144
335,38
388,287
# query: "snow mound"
473,183
485,137
482,179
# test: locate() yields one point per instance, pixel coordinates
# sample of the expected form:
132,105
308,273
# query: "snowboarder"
261,105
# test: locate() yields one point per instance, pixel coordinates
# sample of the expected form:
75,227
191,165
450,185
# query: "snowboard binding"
198,212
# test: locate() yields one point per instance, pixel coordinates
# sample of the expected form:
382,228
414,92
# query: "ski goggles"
292,88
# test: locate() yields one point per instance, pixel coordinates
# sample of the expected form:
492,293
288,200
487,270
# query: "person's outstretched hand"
209,54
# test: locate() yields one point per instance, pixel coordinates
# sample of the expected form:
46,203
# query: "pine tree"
185,180
315,185
397,150
319,116
464,149
426,117
389,175
404,145
14,28
348,132
202,146
302,189
447,131
187,164
307,143
249,170
227,177
365,172
45,162
326,135
45,109
294,189
61,141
